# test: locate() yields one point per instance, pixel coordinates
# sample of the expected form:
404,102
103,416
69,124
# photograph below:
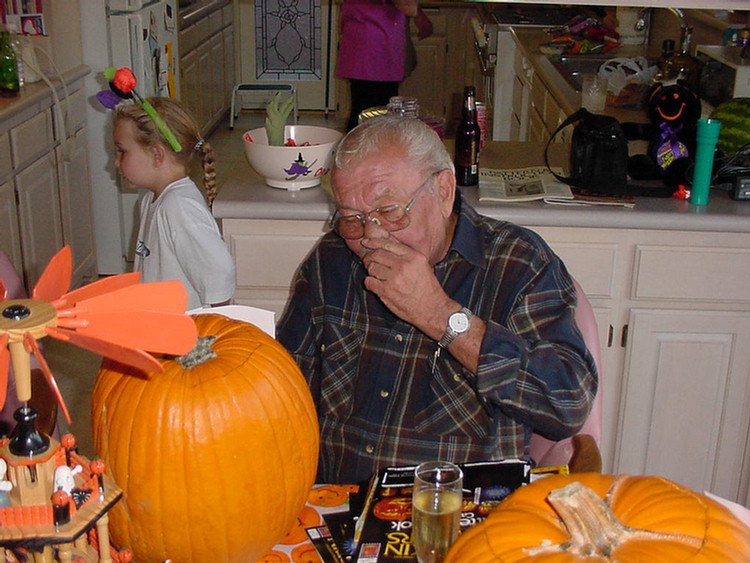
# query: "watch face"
459,322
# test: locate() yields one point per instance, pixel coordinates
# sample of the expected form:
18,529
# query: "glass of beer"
436,509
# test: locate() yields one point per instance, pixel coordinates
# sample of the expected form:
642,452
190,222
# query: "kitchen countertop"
34,97
244,195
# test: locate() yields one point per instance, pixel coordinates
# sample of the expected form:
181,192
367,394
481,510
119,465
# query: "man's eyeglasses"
392,217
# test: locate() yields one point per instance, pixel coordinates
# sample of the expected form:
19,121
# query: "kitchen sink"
573,67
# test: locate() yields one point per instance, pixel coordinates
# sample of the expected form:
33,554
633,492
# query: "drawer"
691,274
214,22
193,36
31,139
227,15
6,165
538,92
593,264
284,244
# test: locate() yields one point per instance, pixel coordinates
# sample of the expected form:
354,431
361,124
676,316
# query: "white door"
290,41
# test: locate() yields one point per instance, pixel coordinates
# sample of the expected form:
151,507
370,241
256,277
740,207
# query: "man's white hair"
421,145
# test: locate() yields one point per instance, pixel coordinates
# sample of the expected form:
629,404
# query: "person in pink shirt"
372,49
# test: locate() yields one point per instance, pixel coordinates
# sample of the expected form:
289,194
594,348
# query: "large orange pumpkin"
596,518
215,459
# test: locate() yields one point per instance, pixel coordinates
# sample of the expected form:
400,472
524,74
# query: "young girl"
178,238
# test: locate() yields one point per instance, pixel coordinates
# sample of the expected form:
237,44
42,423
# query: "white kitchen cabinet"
523,73
207,62
267,253
75,193
10,235
686,398
676,351
45,193
75,207
536,111
39,215
535,105
594,258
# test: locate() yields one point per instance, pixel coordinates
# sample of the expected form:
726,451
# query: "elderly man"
425,330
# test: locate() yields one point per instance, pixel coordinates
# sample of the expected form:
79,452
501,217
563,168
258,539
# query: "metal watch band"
449,335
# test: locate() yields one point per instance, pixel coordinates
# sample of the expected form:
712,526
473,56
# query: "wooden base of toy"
29,523
79,550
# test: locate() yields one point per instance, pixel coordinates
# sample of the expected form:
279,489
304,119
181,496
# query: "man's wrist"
458,323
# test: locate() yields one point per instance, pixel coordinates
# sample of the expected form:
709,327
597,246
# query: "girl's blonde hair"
183,127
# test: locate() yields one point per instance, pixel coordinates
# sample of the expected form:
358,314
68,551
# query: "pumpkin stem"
201,352
594,529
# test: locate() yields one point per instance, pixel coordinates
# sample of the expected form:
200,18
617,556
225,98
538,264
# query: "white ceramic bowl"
292,167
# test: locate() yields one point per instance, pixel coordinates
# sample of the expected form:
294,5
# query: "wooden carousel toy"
54,502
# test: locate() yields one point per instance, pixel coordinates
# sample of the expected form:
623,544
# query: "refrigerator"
141,35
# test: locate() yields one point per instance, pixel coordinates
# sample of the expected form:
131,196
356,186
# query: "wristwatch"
458,323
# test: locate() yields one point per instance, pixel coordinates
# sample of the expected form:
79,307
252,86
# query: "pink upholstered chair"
581,452
42,398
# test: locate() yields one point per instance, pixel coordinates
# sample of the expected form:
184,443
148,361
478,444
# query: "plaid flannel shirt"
387,395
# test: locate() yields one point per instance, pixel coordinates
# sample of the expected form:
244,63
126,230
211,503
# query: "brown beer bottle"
468,135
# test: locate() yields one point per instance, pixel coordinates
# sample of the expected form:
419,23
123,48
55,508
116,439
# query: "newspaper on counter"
535,183
521,184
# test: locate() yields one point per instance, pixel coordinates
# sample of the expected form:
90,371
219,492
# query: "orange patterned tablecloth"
296,547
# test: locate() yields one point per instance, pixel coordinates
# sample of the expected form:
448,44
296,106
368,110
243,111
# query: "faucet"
686,31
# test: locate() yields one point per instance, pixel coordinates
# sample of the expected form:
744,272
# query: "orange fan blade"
4,362
136,358
99,287
31,344
55,280
167,297
154,331
3,291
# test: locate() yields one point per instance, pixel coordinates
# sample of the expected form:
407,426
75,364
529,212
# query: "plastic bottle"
9,85
706,137
403,106
468,136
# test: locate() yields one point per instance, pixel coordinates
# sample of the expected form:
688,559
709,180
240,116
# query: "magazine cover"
383,532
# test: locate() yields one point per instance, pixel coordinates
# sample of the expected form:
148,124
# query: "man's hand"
405,282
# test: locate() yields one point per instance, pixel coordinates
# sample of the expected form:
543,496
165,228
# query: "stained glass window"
288,40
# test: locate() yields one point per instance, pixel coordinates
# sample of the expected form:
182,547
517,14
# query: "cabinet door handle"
610,336
624,337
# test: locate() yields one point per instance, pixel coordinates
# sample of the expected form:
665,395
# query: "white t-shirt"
178,239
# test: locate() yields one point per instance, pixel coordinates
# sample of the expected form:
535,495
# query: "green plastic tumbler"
706,137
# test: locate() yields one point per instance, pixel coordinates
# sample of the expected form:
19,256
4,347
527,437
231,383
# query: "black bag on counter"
598,153
599,157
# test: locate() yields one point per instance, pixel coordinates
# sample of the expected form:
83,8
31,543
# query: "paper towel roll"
478,32
626,20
